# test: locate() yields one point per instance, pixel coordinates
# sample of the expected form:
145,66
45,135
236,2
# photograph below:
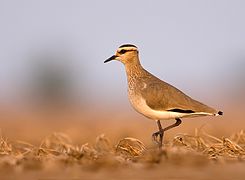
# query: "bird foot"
157,137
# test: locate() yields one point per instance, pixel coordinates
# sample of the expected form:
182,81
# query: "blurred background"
52,76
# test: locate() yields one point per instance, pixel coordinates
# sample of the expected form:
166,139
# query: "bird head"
126,54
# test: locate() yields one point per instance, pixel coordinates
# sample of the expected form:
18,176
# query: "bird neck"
134,71
133,68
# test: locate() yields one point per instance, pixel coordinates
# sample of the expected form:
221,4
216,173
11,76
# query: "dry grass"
57,150
125,152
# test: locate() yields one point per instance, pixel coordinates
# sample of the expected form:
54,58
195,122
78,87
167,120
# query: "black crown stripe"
127,45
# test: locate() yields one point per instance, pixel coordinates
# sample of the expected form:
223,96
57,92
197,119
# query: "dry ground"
80,146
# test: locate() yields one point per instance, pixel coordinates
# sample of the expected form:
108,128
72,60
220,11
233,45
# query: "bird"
154,98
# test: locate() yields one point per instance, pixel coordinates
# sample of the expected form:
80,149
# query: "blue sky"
194,45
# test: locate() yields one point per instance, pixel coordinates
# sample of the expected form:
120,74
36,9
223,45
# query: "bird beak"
111,58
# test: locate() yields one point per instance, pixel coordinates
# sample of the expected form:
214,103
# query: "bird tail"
219,113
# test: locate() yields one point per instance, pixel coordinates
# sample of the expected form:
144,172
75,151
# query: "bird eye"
123,51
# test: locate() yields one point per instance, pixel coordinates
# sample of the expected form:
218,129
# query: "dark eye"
123,51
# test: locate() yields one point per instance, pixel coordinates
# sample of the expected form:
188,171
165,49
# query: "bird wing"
160,95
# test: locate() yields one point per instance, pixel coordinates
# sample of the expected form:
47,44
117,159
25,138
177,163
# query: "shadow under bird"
155,98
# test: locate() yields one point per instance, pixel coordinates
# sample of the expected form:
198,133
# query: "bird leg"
177,123
161,131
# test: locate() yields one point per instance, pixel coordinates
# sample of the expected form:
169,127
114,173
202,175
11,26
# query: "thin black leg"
161,131
177,123
158,133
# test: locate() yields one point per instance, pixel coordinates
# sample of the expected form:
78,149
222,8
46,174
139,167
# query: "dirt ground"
107,145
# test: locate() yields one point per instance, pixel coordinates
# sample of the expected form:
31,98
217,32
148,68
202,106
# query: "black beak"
111,58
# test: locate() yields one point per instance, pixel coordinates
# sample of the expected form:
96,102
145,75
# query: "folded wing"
160,95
